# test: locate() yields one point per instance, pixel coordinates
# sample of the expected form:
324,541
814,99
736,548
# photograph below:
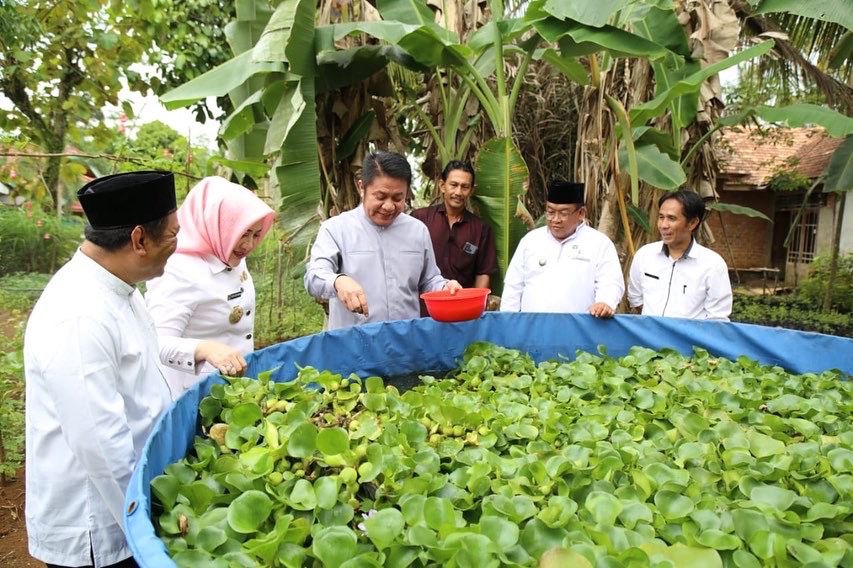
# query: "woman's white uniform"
200,298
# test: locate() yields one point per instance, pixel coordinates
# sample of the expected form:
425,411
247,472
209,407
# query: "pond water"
411,380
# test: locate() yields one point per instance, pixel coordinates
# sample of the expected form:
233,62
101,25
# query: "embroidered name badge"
235,295
469,248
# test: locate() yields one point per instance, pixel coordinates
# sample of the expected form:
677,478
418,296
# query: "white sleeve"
323,266
609,282
171,301
718,301
81,380
514,281
635,283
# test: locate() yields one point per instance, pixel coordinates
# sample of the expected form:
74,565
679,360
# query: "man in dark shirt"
463,243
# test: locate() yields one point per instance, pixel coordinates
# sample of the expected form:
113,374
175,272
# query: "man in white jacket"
566,266
94,385
676,276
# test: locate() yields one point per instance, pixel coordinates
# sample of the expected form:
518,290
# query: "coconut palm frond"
803,57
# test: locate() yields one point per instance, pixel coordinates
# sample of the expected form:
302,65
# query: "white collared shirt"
696,286
563,276
393,264
94,390
195,300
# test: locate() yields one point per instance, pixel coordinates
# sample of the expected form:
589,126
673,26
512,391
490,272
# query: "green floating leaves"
332,441
334,545
649,459
248,511
384,526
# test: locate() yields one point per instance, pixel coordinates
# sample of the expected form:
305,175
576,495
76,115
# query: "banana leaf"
738,210
218,81
803,114
839,175
414,12
576,40
354,135
838,11
641,114
662,27
502,179
654,167
595,14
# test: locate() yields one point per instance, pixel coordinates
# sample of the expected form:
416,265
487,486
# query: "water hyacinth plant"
651,459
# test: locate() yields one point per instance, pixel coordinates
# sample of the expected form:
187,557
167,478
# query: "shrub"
33,241
284,309
793,312
813,288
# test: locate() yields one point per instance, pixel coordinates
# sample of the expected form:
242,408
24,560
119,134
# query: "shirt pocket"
462,262
358,262
408,266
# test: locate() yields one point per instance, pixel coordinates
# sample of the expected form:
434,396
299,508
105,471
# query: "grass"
14,305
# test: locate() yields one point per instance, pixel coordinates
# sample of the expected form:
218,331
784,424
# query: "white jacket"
94,391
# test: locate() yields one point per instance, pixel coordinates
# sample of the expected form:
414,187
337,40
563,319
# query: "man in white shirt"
566,266
94,385
676,276
371,262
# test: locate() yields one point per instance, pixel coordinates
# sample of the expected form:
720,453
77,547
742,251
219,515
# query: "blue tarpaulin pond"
403,347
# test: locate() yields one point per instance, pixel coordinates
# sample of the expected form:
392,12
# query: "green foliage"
19,290
792,312
786,178
18,293
32,241
284,309
62,63
651,459
195,43
813,288
12,405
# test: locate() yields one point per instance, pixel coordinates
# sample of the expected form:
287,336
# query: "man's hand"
227,359
601,310
351,294
452,286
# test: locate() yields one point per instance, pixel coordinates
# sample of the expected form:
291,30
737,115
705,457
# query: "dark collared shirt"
463,251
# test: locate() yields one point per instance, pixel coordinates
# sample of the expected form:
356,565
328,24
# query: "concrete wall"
847,225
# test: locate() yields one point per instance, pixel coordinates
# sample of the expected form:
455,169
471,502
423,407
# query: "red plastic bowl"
466,304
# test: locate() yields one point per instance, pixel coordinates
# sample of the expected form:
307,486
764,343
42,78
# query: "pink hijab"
215,214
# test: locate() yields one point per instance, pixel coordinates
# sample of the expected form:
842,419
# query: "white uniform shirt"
393,264
696,286
194,301
94,392
567,276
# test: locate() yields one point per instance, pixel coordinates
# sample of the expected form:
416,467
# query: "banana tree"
284,63
480,64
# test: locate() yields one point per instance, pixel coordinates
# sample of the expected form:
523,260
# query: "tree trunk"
51,172
833,263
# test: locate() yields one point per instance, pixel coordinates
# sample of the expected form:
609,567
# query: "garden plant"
650,459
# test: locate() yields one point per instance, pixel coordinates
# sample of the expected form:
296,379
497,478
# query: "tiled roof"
750,156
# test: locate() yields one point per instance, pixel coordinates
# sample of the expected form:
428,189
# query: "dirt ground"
13,530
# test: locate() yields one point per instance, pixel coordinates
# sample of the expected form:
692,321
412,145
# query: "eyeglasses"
562,215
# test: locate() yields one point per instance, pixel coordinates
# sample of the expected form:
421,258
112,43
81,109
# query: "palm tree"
811,54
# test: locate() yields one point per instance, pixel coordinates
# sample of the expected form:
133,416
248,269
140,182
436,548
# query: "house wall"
847,226
749,238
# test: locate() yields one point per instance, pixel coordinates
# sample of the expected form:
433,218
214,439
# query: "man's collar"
110,280
442,208
579,228
665,248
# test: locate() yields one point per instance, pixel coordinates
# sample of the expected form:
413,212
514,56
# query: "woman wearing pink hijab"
204,304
